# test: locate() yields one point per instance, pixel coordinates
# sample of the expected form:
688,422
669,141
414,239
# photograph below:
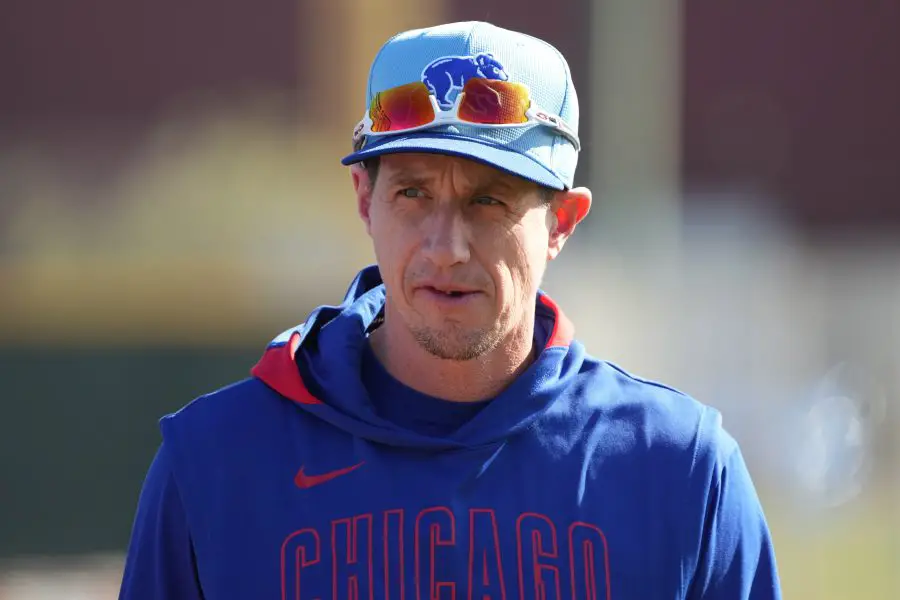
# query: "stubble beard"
454,342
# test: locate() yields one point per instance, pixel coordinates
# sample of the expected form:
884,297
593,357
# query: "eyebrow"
500,185
410,179
496,184
406,178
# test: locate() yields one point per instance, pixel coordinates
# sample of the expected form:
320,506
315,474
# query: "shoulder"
653,418
241,409
226,434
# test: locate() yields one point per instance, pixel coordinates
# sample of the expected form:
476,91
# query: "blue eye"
486,201
411,193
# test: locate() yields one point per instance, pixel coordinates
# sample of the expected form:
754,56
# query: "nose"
446,238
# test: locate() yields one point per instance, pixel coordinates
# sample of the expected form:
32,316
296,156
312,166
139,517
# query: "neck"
461,381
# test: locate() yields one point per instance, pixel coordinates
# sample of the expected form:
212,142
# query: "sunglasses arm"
542,116
362,129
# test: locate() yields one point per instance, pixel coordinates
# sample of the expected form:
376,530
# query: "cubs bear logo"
446,76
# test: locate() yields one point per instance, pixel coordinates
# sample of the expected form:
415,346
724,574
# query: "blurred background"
171,198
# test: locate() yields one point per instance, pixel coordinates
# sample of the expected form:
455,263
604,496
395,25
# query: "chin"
452,342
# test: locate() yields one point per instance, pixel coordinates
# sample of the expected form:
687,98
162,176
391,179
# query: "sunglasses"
482,103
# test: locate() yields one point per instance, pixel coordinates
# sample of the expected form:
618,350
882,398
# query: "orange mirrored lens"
401,108
494,102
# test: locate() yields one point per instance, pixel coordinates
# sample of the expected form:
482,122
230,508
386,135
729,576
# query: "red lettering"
485,564
588,552
299,551
393,554
352,558
544,567
440,528
537,550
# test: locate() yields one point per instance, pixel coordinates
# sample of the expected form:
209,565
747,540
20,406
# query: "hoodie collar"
342,330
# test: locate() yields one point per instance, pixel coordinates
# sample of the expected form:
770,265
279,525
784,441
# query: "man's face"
462,248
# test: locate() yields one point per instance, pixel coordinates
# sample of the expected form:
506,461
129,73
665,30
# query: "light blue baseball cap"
444,57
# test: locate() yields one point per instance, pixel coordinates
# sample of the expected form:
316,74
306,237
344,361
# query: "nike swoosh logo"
304,481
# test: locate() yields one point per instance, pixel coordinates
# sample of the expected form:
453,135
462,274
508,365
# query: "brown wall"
796,100
102,58
800,100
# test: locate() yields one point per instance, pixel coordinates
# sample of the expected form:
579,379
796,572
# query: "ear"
363,188
567,209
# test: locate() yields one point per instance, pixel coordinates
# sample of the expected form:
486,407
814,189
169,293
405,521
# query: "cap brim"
504,159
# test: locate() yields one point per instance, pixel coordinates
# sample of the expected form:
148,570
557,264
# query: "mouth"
451,292
448,293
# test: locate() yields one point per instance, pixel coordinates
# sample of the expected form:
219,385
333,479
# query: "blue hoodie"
323,477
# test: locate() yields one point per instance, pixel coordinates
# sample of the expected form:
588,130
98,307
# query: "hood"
317,365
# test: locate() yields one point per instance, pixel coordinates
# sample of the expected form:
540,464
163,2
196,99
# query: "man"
440,434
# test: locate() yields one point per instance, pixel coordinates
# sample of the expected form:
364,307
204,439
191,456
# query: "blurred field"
848,553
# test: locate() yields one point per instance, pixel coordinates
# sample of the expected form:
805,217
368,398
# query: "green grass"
848,553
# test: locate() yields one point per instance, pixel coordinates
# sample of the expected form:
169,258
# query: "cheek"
383,239
392,242
520,258
531,254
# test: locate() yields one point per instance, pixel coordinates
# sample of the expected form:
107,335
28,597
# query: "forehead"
462,171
